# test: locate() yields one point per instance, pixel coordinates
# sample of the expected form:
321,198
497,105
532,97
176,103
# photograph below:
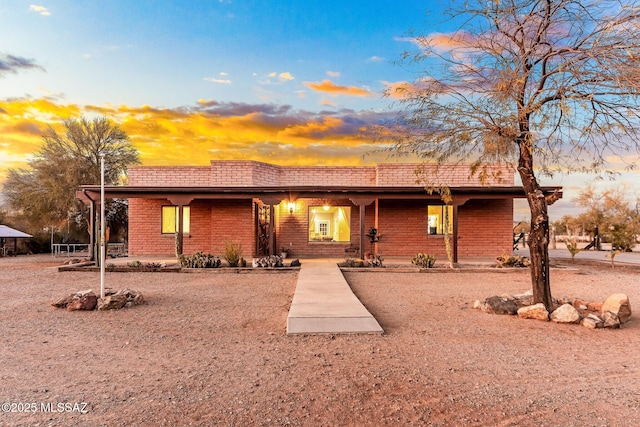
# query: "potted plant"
284,252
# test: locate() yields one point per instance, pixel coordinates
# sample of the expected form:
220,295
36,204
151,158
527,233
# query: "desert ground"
210,349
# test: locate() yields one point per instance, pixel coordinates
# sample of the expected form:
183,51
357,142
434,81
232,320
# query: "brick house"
314,211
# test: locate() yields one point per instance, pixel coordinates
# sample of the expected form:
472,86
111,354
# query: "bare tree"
549,85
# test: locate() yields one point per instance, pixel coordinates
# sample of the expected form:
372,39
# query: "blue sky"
288,82
173,53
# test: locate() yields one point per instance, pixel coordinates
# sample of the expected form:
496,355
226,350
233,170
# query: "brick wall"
328,175
413,175
169,176
212,223
248,173
145,232
292,229
485,228
232,220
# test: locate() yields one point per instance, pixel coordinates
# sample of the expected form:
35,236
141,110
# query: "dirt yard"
210,349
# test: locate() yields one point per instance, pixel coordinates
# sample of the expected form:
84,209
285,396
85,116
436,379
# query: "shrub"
232,252
199,260
424,260
572,247
352,262
505,260
134,264
268,261
374,260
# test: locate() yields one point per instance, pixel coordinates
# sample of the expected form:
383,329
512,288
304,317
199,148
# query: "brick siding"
248,173
485,226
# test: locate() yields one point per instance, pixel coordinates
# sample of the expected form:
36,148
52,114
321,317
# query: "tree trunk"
539,235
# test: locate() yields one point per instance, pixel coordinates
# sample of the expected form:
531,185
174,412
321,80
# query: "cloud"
280,78
375,59
39,9
328,86
333,73
13,64
207,130
215,80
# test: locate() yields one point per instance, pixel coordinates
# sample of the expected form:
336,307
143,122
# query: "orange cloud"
329,87
196,134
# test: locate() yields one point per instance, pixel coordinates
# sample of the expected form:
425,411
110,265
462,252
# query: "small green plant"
199,260
612,255
134,264
572,246
424,260
232,252
518,261
110,266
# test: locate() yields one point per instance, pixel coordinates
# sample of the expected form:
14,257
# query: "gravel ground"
210,349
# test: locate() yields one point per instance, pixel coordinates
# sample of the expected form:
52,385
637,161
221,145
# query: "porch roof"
89,193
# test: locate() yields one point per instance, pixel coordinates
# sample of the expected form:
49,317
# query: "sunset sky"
288,81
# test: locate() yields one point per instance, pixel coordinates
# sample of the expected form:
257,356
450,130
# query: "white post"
103,245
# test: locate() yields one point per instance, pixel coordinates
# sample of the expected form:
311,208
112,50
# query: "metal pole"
102,227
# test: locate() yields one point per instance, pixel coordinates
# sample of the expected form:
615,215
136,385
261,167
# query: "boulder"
618,304
64,302
592,322
524,299
566,313
132,297
112,302
83,301
537,311
611,320
594,306
500,305
580,304
295,263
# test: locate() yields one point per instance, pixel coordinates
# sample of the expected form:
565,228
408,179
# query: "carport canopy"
7,232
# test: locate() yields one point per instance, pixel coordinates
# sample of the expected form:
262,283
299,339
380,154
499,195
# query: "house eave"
89,193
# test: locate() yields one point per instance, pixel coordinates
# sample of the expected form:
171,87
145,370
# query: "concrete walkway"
323,303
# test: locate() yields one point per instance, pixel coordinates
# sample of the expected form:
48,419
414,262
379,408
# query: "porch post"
361,203
92,229
272,231
362,217
455,234
180,202
180,233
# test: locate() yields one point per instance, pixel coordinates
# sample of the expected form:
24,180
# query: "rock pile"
88,300
613,313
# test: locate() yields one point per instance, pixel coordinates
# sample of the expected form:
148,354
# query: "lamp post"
103,245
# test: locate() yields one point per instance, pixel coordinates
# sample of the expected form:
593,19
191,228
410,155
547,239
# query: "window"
439,217
329,224
170,219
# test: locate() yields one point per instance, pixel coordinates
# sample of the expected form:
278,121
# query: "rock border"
612,313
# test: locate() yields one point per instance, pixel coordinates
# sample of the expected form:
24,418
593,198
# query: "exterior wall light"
292,207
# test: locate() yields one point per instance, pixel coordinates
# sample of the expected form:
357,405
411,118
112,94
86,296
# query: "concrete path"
323,303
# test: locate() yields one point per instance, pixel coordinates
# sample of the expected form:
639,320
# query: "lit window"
170,219
329,224
440,219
